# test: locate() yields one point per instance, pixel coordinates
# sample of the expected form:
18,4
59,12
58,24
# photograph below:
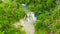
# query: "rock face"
27,23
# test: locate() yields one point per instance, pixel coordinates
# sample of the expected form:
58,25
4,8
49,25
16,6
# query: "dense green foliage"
46,12
10,13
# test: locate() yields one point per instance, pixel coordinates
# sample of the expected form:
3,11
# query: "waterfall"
31,17
27,22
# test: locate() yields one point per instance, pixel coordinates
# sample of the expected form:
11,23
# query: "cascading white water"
31,17
27,23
